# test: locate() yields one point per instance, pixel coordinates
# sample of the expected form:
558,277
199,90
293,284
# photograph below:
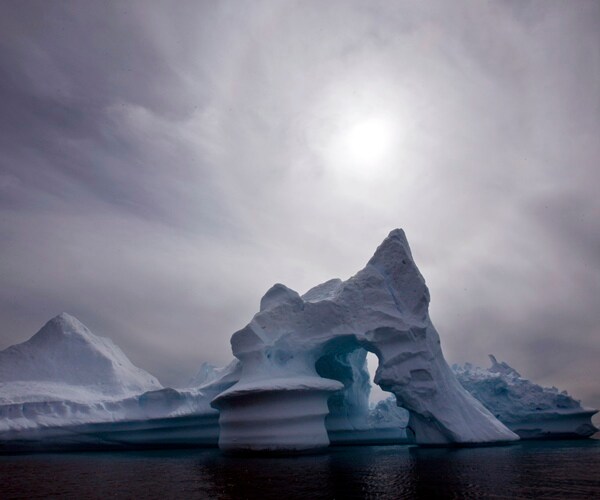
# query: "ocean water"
551,469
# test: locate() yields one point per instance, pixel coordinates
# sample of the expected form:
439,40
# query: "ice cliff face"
530,410
280,401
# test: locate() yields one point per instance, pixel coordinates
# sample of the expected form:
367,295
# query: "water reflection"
557,469
513,471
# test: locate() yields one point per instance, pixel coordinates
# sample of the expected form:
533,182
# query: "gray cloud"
163,164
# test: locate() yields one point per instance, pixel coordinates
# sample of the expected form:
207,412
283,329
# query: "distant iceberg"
530,410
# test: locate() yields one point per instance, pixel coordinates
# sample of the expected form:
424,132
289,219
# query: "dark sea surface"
550,469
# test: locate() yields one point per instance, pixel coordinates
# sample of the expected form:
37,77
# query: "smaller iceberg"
66,388
388,423
528,409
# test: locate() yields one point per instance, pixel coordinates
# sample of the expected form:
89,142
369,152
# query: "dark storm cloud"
164,163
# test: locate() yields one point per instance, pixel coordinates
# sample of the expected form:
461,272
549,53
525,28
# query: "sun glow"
368,141
356,131
362,148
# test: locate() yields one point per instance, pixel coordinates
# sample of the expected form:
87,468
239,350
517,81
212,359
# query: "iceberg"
299,380
280,402
389,423
65,358
215,377
68,388
528,409
205,374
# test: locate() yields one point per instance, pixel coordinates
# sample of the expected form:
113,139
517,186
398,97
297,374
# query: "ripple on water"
559,469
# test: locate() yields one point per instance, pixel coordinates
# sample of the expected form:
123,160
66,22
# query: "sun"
361,148
368,141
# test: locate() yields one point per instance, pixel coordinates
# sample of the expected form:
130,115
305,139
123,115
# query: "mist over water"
566,469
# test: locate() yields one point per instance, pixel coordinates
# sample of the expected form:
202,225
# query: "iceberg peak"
276,295
502,367
392,250
63,324
65,352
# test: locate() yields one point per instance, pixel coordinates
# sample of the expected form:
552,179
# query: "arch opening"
376,394
362,412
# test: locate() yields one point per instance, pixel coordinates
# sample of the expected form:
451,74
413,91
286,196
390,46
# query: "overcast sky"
164,163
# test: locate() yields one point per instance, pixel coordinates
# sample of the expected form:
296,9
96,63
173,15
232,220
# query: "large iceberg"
299,381
530,410
66,387
281,401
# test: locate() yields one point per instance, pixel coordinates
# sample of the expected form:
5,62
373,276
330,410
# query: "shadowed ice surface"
523,470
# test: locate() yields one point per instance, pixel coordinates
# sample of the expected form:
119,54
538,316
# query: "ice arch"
351,420
280,401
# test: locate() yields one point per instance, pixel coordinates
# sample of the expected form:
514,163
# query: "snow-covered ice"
70,387
530,410
65,359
